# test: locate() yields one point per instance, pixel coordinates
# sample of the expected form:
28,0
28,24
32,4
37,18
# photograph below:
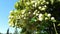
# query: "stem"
55,28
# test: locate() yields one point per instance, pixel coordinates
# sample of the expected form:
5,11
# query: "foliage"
35,16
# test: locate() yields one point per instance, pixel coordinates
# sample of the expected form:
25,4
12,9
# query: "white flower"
38,2
15,23
52,18
23,11
15,11
40,18
49,15
43,8
39,7
32,1
27,3
37,14
35,10
35,4
18,17
40,15
46,18
43,0
47,2
11,24
11,17
24,17
34,13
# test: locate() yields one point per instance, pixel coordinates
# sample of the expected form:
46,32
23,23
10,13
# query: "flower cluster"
46,16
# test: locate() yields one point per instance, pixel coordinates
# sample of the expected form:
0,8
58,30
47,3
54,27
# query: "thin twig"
55,28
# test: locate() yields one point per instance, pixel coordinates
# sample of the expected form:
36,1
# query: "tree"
7,31
36,16
0,33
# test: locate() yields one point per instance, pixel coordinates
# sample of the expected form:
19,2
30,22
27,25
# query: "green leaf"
59,24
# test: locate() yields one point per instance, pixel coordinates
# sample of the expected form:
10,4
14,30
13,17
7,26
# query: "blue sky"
5,7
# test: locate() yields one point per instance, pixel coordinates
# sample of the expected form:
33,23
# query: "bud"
35,10
37,14
11,24
11,17
46,18
24,17
47,2
44,1
52,18
40,15
27,3
39,7
40,18
32,1
34,13
38,11
18,17
23,11
35,4
38,2
43,8
49,15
